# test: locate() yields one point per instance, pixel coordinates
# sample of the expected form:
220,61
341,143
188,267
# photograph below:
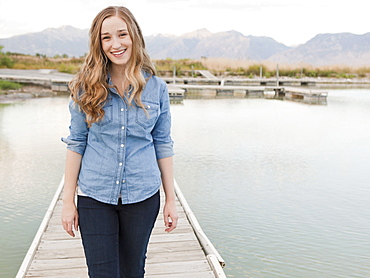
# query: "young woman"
119,150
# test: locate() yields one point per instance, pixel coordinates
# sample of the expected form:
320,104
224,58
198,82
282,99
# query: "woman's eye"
105,38
123,34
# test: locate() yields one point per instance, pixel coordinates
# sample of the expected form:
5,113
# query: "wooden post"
174,75
277,75
260,72
192,71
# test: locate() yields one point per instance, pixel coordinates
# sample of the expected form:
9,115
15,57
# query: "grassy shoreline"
221,67
13,91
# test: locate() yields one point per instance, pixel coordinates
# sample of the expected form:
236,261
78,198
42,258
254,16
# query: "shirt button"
123,181
120,164
117,182
122,109
122,145
122,127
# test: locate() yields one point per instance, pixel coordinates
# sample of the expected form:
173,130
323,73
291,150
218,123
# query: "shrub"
8,85
5,61
256,69
68,68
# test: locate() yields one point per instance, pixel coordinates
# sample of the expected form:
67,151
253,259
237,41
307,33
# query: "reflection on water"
280,187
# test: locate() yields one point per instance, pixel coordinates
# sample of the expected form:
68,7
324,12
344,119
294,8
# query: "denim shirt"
120,153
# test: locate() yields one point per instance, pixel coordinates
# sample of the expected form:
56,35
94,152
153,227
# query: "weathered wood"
177,267
184,275
308,93
51,273
56,254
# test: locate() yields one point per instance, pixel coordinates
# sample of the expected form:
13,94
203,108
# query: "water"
280,188
31,167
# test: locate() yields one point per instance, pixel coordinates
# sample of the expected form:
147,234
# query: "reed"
67,65
248,68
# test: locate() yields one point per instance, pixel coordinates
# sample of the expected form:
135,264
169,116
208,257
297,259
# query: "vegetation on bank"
8,85
222,67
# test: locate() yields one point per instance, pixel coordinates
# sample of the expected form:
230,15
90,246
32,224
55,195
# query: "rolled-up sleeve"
161,133
78,130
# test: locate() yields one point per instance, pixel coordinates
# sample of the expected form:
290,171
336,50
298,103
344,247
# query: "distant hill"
53,41
202,43
329,49
323,49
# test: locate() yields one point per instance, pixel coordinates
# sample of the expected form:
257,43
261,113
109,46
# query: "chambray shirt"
120,153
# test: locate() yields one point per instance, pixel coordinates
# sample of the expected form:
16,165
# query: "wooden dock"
184,253
294,92
58,81
221,90
179,88
252,91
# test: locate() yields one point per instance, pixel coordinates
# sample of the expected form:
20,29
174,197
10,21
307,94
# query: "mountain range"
324,49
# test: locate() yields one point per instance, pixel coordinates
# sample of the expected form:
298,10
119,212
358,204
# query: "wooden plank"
176,267
71,272
55,263
76,252
172,237
162,257
220,87
174,246
203,274
306,92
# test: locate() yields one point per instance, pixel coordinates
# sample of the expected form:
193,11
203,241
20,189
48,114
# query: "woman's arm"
169,210
69,211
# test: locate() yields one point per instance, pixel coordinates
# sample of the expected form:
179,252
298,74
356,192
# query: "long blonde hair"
89,88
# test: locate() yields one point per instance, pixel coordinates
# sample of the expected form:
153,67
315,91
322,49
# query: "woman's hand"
70,218
169,210
69,211
170,216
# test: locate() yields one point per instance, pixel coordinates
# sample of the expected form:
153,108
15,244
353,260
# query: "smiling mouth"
119,53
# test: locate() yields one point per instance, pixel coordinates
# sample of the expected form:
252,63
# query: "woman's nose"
116,42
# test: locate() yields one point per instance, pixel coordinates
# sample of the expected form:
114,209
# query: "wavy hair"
89,87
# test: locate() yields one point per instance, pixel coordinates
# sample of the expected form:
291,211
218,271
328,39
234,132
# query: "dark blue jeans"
115,237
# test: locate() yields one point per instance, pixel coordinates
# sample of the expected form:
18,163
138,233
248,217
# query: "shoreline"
38,91
26,92
50,83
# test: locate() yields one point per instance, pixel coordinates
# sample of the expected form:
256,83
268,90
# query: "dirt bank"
26,92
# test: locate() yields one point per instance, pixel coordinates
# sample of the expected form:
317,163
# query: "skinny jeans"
115,237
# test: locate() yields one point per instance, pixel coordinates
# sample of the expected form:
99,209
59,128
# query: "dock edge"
36,241
215,260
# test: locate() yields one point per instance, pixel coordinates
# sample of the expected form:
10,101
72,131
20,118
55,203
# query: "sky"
291,22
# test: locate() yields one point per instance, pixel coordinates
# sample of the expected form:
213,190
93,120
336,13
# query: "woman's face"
116,41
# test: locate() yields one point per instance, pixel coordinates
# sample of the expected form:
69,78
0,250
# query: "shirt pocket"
108,114
148,118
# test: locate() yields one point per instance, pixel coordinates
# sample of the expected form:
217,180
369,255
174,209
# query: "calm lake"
281,188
